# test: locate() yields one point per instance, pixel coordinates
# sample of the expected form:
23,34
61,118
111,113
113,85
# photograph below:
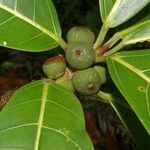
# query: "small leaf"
123,10
137,33
43,116
131,121
29,25
130,72
105,8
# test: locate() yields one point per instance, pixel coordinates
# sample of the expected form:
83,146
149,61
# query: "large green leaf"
130,72
43,116
123,10
30,25
131,121
105,8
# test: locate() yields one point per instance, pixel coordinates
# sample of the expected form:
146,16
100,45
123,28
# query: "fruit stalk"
101,36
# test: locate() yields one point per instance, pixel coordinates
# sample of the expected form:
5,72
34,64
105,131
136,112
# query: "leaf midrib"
132,68
41,114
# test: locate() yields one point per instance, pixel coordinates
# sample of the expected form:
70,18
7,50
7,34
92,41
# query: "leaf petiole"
101,36
115,49
108,97
105,95
61,42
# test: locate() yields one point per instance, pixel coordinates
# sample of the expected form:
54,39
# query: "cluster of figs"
85,77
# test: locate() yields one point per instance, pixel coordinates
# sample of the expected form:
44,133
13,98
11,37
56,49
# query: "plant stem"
101,36
105,96
99,59
108,97
112,40
99,52
61,42
115,49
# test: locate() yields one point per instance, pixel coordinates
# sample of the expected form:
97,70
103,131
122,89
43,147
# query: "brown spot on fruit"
90,86
102,50
78,52
54,67
54,59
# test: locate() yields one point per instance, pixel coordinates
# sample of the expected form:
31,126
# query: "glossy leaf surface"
132,123
137,33
29,25
105,8
130,72
43,116
123,10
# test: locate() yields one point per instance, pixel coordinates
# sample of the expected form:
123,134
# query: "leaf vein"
58,131
132,68
65,108
22,103
6,21
147,98
51,17
24,89
128,56
34,5
38,35
146,70
16,2
19,126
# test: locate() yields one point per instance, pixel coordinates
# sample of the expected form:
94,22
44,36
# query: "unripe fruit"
54,67
86,82
65,82
80,34
80,55
102,73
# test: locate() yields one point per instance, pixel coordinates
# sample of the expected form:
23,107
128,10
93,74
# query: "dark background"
18,68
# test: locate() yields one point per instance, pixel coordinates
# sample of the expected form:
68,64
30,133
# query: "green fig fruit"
54,67
80,34
65,82
102,73
86,82
80,55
